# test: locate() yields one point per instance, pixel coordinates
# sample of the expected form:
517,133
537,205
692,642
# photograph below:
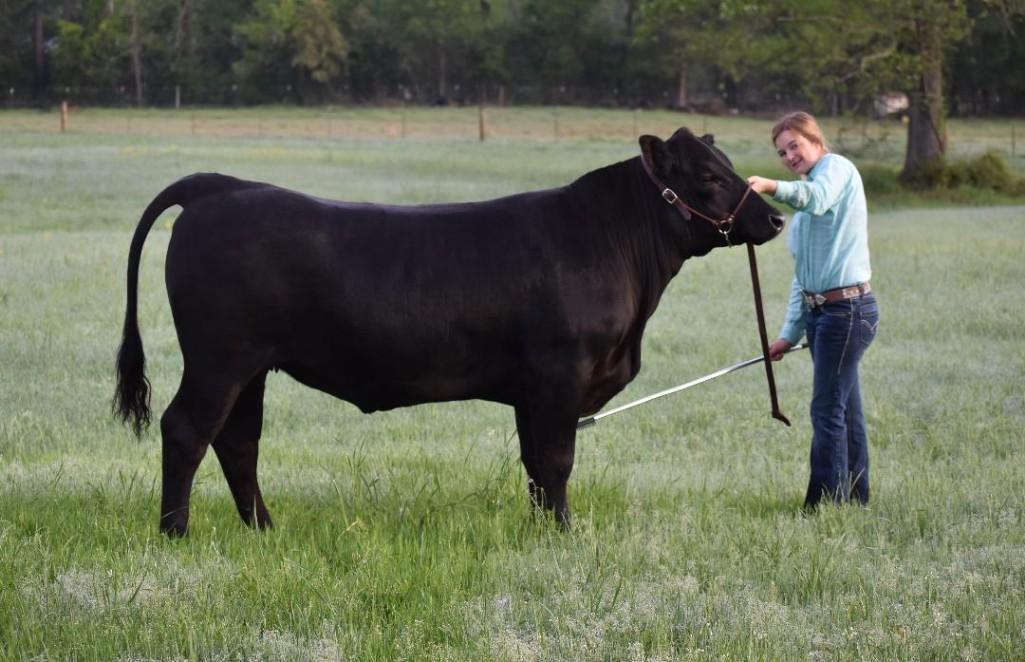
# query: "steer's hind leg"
237,448
192,420
547,452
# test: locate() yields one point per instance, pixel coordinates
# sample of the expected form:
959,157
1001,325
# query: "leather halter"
723,225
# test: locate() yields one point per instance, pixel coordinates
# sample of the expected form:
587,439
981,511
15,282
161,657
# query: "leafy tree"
545,45
203,47
25,28
927,27
986,69
898,45
92,53
718,40
826,54
293,45
876,46
17,47
441,40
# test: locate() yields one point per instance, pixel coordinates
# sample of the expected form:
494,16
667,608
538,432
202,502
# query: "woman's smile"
797,152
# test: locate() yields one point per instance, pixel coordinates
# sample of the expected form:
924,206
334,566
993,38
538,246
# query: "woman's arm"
793,323
831,179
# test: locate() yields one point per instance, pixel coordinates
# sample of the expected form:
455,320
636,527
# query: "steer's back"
380,305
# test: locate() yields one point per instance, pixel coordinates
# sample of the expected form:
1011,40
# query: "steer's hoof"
174,531
173,528
564,521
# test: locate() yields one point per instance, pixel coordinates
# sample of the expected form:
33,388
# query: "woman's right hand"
778,348
761,184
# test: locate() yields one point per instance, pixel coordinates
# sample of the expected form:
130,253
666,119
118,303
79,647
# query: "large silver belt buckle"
814,300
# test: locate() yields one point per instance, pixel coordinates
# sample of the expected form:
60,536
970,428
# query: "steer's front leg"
547,432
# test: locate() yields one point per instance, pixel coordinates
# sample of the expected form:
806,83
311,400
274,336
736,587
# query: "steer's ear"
708,139
657,154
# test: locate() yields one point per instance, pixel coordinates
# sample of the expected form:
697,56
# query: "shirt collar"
818,165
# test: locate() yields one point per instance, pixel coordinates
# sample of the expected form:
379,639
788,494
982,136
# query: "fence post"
403,121
555,118
64,116
177,97
480,121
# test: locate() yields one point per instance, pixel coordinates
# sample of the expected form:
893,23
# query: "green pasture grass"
407,534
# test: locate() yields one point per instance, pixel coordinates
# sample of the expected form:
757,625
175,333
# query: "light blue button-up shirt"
828,234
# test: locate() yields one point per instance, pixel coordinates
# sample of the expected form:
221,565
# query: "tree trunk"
136,48
40,60
927,131
682,100
181,28
442,74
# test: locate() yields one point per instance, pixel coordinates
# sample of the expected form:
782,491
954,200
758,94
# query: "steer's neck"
622,202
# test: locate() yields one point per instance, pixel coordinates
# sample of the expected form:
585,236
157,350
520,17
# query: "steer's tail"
131,399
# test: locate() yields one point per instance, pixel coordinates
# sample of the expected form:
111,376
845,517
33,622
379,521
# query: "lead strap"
776,413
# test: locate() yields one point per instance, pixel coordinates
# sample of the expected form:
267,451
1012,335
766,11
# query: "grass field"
407,535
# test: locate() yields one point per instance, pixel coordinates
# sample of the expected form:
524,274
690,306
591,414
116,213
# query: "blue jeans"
838,335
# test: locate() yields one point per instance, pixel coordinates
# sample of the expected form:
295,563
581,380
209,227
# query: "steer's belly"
379,381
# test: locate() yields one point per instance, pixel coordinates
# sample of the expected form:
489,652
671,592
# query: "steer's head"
710,189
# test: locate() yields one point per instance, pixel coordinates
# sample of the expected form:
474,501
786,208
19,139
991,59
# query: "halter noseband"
723,225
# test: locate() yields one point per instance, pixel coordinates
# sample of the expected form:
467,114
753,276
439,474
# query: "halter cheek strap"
723,225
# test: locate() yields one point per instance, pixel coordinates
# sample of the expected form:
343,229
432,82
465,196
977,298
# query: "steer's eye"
709,178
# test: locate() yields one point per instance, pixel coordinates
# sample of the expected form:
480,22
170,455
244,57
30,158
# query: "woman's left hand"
761,184
778,348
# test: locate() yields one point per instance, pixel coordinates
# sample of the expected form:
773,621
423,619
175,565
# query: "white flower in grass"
511,645
79,587
278,645
101,589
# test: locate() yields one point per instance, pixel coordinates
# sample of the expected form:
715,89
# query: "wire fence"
419,122
877,140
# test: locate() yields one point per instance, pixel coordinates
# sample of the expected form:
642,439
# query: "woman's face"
797,152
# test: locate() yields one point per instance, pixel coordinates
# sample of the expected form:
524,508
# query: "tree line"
831,56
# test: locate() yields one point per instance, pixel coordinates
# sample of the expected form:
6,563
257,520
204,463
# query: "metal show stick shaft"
592,420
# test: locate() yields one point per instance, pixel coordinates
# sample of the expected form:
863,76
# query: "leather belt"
814,299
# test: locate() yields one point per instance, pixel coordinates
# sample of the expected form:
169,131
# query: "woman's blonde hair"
804,124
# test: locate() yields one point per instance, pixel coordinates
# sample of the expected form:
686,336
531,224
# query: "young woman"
830,300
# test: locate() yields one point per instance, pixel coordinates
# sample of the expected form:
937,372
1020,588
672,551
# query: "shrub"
987,172
931,175
879,180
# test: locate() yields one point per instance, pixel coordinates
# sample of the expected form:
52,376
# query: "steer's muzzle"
777,221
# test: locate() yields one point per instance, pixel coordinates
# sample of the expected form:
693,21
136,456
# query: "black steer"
536,300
